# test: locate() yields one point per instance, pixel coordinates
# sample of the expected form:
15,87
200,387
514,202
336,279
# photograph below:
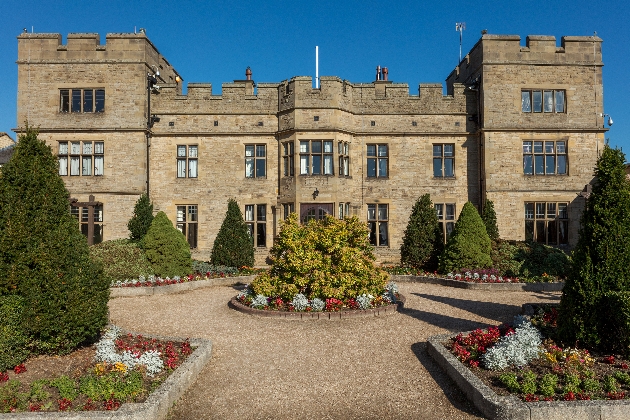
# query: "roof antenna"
460,26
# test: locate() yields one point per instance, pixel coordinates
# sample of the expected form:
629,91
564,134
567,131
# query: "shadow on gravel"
446,322
547,296
449,388
485,309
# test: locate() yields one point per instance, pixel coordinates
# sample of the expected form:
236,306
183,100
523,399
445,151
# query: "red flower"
64,404
531,398
569,396
583,396
610,360
616,395
19,369
3,377
34,406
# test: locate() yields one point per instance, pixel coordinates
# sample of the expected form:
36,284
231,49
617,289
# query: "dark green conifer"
469,245
423,237
600,278
140,223
166,248
233,246
489,218
44,258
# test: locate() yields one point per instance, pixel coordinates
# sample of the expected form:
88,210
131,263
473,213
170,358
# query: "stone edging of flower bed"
179,287
494,406
159,401
379,311
504,287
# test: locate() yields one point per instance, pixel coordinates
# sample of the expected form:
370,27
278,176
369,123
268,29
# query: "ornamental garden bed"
136,376
518,373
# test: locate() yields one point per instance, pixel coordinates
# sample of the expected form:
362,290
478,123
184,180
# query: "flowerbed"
118,369
523,360
154,281
489,275
300,303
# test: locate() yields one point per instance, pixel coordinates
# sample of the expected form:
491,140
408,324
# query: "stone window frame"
187,222
287,209
443,161
89,156
187,160
446,215
343,151
543,154
543,101
255,161
378,221
255,216
288,158
309,155
549,219
343,210
82,100
377,163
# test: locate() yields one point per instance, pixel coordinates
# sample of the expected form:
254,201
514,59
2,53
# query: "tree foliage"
325,258
422,240
489,218
601,259
469,245
44,258
233,246
140,222
166,248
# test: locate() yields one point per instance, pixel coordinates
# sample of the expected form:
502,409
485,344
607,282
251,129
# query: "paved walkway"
370,368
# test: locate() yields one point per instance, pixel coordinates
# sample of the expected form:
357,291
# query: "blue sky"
214,41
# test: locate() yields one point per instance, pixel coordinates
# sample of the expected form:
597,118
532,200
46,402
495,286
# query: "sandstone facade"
372,145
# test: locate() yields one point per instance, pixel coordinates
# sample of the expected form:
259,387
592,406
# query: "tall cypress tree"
601,259
140,223
44,258
489,218
233,245
422,238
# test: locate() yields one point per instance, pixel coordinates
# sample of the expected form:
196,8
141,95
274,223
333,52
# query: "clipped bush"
614,319
233,245
13,339
141,220
328,258
489,218
469,245
422,240
121,259
44,258
601,259
166,248
529,259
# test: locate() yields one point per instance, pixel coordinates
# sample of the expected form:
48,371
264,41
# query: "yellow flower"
121,367
100,368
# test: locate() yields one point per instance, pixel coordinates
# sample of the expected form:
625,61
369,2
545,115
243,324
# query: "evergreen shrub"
166,248
328,258
121,259
469,245
489,218
141,220
233,246
13,339
601,261
44,258
422,240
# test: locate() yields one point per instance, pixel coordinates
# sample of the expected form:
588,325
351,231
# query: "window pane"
100,100
548,101
382,234
249,168
371,212
88,100
346,166
437,150
450,226
562,211
63,148
98,165
285,165
99,148
261,234
192,151
98,234
540,210
437,167
371,150
328,166
87,166
560,147
563,232
551,210
382,167
340,213
549,147
537,99
527,165
340,148
439,211
304,164
550,164
538,147
559,101
285,149
562,164
261,212
371,167
382,212
63,165
249,150
372,234
526,104
192,235
181,213
249,213
64,102
84,214
449,167
74,165
303,147
260,168
291,167
76,100
181,151
87,147
316,146
449,150
347,209
181,168
540,231
538,164
192,168
346,149
382,150
317,164
98,213
250,227
192,213
181,227
290,148
75,148
527,147
328,147
529,210
260,151
529,230
450,212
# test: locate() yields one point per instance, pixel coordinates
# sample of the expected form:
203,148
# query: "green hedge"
13,339
122,259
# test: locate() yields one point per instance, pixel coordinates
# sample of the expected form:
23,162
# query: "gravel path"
370,368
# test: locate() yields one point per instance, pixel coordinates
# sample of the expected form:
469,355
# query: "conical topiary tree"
140,223
166,248
599,282
422,237
44,258
469,245
489,218
233,245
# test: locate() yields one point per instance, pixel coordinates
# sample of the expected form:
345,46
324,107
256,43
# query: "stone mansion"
521,125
